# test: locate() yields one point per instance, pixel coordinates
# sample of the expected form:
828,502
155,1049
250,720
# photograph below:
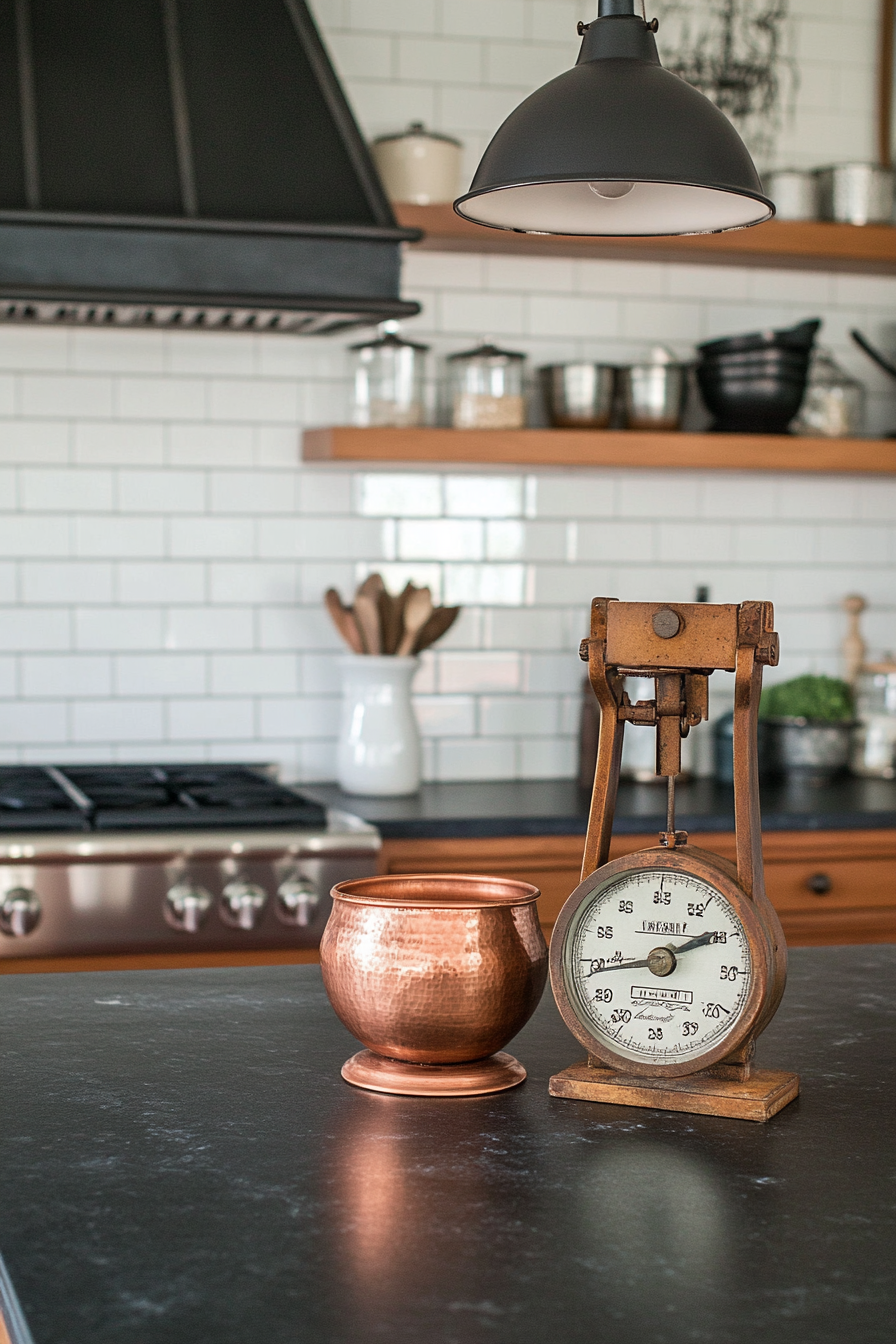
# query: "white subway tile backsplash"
66,489
308,716
488,585
114,628
692,541
253,582
548,757
162,399
516,715
64,676
467,673
34,441
575,496
162,674
200,445
117,721
441,539
56,582
161,581
161,492
396,494
209,628
24,722
863,545
483,496
446,715
613,540
255,673
476,758
119,537
74,395
319,538
118,443
218,537
217,720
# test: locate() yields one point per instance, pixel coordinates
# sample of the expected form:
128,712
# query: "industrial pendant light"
617,145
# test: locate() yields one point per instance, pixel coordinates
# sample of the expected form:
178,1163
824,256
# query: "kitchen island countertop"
560,807
183,1163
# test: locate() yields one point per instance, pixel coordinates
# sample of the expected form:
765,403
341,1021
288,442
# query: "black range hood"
187,163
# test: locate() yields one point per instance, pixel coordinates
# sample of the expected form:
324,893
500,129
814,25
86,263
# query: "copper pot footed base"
473,1079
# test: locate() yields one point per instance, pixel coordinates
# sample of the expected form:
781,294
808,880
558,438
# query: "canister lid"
389,338
488,351
417,130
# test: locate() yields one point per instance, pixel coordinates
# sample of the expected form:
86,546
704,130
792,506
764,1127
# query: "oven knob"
242,903
186,906
19,912
297,901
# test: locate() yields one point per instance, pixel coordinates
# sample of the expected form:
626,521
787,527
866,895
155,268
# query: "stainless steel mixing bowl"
579,396
654,395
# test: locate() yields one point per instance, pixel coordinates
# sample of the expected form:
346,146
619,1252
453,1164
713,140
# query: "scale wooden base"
757,1097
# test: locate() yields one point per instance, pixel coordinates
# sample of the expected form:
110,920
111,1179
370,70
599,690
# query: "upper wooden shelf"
601,448
783,243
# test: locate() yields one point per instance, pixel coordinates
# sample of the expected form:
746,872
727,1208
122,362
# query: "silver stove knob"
186,906
242,903
19,912
297,901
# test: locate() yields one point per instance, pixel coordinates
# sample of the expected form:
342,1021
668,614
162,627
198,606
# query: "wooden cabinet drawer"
842,882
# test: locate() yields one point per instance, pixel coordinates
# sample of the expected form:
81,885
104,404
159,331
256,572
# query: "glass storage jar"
834,404
487,388
874,740
389,380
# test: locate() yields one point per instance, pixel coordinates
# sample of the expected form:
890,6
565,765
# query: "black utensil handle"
870,351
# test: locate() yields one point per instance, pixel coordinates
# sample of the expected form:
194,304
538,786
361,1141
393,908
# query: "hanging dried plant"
734,52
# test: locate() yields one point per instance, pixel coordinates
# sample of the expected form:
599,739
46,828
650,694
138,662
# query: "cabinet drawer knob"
819,883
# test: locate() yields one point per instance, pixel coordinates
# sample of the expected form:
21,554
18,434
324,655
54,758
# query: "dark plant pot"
807,749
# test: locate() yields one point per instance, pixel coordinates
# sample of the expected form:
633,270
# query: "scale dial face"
657,966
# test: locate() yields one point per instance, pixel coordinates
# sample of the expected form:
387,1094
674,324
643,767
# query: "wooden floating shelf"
812,245
601,448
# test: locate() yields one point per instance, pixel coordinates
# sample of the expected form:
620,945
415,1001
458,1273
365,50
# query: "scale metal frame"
679,645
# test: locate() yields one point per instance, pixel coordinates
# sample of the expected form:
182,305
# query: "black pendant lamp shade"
617,145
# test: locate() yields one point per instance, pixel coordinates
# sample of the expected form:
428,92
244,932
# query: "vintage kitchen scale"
667,964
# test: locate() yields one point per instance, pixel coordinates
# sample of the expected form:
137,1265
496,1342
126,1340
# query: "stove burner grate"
150,797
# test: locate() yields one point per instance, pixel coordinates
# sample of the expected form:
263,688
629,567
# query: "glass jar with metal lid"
487,388
389,380
874,740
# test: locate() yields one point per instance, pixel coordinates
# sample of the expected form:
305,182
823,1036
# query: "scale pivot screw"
666,623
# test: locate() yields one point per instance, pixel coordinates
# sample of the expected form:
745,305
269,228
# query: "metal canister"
794,192
856,193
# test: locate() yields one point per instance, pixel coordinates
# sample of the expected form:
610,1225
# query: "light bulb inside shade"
611,191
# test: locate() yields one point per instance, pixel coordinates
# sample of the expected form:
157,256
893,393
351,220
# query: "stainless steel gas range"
99,859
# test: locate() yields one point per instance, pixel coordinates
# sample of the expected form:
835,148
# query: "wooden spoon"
439,622
367,614
392,613
344,620
416,614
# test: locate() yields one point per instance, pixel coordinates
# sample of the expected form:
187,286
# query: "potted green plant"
810,719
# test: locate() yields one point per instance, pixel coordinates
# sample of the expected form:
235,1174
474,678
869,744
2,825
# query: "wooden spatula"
416,613
367,614
344,620
439,622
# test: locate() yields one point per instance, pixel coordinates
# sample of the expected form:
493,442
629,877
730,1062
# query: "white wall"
463,65
163,553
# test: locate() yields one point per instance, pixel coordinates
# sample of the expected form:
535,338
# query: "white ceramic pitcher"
379,740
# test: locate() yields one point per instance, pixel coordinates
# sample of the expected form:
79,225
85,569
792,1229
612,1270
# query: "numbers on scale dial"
659,966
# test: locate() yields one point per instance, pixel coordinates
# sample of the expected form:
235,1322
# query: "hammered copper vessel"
434,974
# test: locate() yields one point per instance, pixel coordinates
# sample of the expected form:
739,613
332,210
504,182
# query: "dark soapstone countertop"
560,807
182,1164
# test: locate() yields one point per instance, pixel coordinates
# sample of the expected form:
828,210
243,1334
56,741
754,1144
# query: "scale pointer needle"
700,941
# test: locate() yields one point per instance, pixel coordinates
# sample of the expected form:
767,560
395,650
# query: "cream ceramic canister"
378,752
418,166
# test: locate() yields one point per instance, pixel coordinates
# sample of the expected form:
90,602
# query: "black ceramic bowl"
750,403
755,384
